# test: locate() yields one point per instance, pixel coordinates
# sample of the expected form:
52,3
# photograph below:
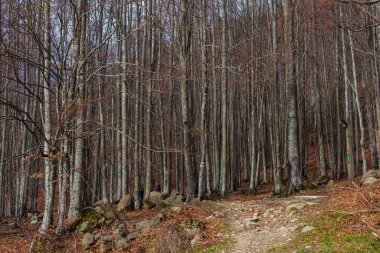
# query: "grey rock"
98,203
110,215
107,238
330,183
132,235
370,181
88,240
296,206
250,224
155,197
119,231
13,225
101,221
121,243
174,199
99,210
125,203
211,217
86,226
176,209
148,204
160,206
268,213
146,223
104,248
97,235
307,229
373,173
123,217
323,180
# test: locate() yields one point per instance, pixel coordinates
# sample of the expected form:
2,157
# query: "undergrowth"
349,222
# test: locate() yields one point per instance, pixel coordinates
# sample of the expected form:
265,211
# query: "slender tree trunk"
348,113
48,180
357,101
79,62
202,169
292,140
186,34
224,82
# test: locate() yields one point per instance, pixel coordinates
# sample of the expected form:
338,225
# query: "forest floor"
327,219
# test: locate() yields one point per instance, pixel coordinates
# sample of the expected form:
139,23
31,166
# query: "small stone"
104,248
119,231
34,222
99,210
107,238
88,240
12,225
294,220
196,239
268,213
211,217
132,235
176,209
101,221
282,230
121,243
249,224
307,229
97,236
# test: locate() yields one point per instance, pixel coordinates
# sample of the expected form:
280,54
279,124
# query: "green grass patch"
224,226
212,249
333,233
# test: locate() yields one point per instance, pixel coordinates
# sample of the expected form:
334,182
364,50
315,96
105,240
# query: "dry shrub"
171,241
368,198
367,203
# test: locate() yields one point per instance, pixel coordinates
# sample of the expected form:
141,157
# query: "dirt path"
258,225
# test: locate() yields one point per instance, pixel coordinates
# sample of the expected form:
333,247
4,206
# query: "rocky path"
258,225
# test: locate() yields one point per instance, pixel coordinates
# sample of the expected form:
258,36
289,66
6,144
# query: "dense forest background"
99,99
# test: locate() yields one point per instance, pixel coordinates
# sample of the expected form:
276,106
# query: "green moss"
243,192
